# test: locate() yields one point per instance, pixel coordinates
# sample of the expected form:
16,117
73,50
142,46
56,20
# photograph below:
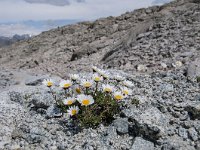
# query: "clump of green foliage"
198,79
102,111
94,100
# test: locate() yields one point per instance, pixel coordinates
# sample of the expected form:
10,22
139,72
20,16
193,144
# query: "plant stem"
65,92
96,87
86,90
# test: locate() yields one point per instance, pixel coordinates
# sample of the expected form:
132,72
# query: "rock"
141,68
16,97
6,79
187,54
16,147
175,142
53,111
53,148
177,64
163,65
42,99
193,134
141,144
37,131
33,139
11,114
33,81
167,87
36,135
184,116
150,122
17,134
194,69
193,109
121,125
183,133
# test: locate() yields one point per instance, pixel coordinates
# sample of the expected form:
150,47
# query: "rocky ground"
164,113
156,48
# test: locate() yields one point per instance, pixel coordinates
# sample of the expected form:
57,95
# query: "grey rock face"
141,144
121,125
12,114
33,81
193,134
149,122
176,142
183,133
39,99
6,79
16,133
16,97
53,111
167,88
194,109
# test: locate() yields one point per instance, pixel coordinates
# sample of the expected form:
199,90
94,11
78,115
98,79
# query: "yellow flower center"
97,79
78,90
125,92
67,85
107,90
74,111
49,84
118,97
87,84
69,102
86,102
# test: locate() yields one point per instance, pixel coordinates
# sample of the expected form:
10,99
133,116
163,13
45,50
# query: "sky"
34,16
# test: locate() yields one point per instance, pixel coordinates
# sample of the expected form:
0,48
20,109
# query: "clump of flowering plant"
91,100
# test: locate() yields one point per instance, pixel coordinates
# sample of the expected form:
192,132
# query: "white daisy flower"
118,96
85,100
126,91
74,77
119,78
95,69
86,83
73,110
104,74
107,88
65,84
97,78
69,101
128,83
48,82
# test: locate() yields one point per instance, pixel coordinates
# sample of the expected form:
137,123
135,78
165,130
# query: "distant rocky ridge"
167,34
6,41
